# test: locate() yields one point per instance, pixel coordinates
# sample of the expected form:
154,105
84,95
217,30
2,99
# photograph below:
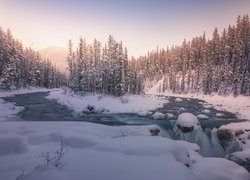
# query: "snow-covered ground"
239,105
24,91
107,104
94,152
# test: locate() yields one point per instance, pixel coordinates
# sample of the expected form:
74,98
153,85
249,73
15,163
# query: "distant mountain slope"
57,55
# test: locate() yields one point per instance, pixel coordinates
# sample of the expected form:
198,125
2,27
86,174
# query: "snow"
94,151
24,91
142,114
133,103
206,111
218,169
158,116
237,126
241,155
241,131
220,115
8,110
239,104
178,99
187,120
202,116
12,144
170,116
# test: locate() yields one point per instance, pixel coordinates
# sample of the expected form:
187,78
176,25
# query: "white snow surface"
97,152
187,120
202,116
158,116
239,104
24,91
103,152
125,104
8,110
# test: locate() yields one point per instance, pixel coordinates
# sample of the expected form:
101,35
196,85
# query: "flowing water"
38,108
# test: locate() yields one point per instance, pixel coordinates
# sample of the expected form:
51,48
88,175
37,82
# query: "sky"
142,25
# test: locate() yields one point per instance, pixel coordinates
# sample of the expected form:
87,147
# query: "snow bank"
158,116
8,110
12,144
128,152
220,169
24,91
239,104
126,104
202,116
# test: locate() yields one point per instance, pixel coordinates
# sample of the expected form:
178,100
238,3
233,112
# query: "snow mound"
11,144
206,111
170,116
240,155
158,116
146,146
8,110
219,169
202,116
220,115
142,114
178,99
187,120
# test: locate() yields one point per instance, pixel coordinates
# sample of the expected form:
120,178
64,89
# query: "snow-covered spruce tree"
23,67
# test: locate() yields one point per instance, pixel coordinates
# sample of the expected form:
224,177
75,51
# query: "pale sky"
142,25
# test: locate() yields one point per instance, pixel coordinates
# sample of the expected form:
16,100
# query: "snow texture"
133,103
158,116
187,120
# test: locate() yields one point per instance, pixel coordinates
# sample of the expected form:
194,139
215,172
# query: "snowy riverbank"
239,105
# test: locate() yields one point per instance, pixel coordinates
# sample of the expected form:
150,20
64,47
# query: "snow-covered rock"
170,116
220,115
206,111
181,110
239,132
187,120
242,158
202,116
178,99
158,116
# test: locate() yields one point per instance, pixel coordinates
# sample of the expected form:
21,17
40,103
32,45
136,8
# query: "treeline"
24,67
104,69
217,65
